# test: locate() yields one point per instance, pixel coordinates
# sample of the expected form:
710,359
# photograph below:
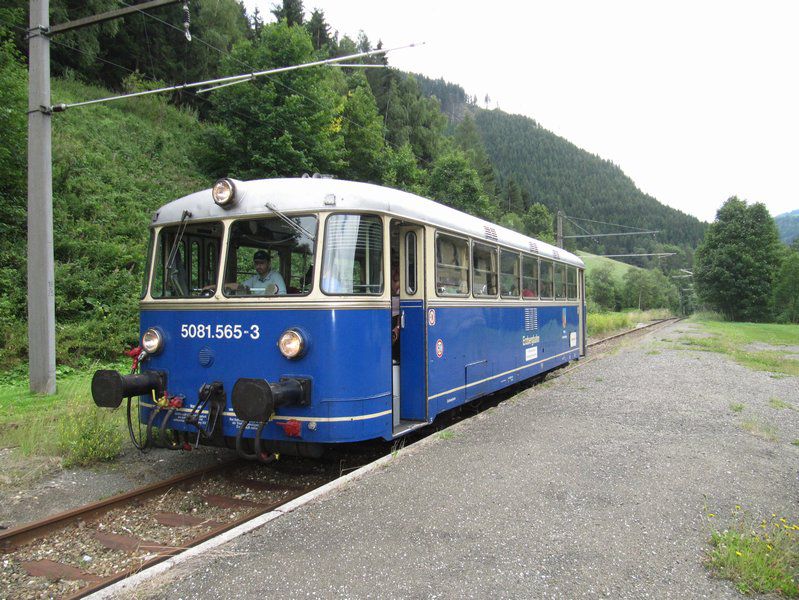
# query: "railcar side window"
508,274
353,255
546,279
571,283
484,266
270,257
529,277
452,266
560,281
186,261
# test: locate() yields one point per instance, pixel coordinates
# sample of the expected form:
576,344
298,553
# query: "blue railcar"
285,315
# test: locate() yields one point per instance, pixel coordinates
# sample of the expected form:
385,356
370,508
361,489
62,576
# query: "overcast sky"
695,101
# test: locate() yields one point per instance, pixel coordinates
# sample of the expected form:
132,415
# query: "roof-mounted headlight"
152,341
292,343
224,192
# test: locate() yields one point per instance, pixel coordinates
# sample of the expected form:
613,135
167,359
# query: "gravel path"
595,484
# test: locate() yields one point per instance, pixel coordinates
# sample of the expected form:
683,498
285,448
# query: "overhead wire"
581,228
223,53
124,68
275,80
605,223
79,50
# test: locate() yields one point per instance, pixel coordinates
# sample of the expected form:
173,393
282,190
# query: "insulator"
186,20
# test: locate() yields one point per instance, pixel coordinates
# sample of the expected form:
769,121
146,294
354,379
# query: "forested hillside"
114,163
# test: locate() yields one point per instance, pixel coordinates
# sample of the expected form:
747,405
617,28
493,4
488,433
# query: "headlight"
224,192
152,341
292,343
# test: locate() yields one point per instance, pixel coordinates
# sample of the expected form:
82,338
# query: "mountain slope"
563,177
788,226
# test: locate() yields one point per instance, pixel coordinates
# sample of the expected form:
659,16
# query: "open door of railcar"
410,408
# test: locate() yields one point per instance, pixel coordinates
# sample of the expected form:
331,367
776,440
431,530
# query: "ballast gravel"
77,545
599,483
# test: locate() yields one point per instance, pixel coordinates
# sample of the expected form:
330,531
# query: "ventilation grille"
530,319
206,356
491,233
556,254
533,247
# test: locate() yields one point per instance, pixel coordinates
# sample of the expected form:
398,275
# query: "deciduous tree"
786,290
736,263
602,289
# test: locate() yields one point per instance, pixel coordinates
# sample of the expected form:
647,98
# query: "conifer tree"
291,10
319,30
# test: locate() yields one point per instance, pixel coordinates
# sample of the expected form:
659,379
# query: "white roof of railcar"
318,194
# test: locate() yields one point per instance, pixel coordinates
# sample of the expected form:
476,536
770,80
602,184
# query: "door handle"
402,319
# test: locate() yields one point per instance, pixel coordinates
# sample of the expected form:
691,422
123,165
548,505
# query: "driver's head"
262,259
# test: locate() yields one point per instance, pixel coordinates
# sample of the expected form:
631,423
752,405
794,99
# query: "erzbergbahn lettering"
285,315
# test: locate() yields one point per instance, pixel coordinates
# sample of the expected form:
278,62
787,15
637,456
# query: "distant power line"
640,254
608,234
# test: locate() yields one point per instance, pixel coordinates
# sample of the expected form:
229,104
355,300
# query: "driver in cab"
266,281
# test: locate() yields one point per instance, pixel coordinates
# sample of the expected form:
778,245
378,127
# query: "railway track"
647,327
606,341
77,552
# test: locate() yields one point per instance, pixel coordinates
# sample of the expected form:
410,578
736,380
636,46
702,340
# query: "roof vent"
533,247
490,233
555,253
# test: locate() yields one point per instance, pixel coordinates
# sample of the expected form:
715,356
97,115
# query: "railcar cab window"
529,277
546,288
353,255
452,266
269,257
186,261
508,274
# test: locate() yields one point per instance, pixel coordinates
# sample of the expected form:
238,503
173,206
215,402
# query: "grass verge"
605,323
66,426
733,339
759,559
761,430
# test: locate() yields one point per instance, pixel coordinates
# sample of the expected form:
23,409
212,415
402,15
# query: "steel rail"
17,536
629,331
164,555
585,361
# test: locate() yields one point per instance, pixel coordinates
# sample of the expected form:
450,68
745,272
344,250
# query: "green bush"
89,435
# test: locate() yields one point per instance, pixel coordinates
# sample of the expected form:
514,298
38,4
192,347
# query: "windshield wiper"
171,269
295,226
